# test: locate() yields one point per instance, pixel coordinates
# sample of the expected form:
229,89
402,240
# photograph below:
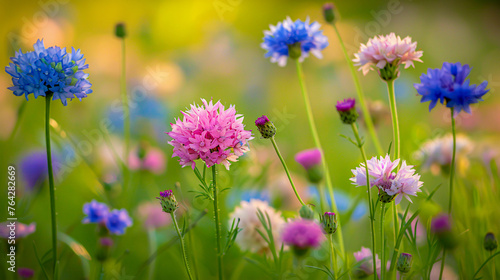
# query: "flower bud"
404,262
168,202
441,227
490,242
329,222
294,50
311,161
347,110
306,212
105,244
266,127
329,12
120,31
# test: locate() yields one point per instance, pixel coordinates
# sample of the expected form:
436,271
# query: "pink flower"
303,234
210,133
153,160
309,158
21,230
402,183
152,215
383,50
365,268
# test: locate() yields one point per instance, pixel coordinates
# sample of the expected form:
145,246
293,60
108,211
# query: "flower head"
49,71
249,238
210,133
329,222
303,234
449,86
404,262
33,168
385,53
311,161
118,221
265,127
152,215
293,39
390,182
168,202
329,12
347,110
96,212
147,158
25,273
441,227
21,230
365,268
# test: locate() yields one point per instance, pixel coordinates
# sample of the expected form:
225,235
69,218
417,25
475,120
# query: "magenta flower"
25,273
345,105
153,160
303,234
210,133
441,224
309,158
21,230
365,257
402,183
389,50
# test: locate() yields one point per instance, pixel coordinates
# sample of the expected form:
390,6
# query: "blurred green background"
181,51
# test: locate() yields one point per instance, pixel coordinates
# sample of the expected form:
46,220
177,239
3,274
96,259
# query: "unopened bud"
329,222
404,262
120,31
168,202
329,12
306,212
347,110
265,127
490,242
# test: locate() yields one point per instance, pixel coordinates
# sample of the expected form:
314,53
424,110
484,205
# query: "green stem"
485,262
126,119
152,247
48,97
217,222
314,132
361,97
442,265
183,246
333,256
382,247
493,273
396,143
370,204
452,169
286,170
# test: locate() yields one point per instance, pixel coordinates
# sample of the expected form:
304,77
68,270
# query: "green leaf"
79,250
40,261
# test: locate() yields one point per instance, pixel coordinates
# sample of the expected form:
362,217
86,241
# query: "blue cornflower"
52,71
289,34
449,86
96,212
118,221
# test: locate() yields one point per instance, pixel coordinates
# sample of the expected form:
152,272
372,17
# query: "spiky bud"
347,110
120,30
306,212
168,202
265,127
490,242
329,222
404,262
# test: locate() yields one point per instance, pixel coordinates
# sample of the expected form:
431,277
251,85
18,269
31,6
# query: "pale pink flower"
152,215
210,133
390,49
383,174
365,268
21,230
153,160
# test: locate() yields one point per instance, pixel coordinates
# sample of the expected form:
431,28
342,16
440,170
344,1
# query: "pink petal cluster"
153,160
152,215
21,230
383,50
210,133
365,255
383,174
303,234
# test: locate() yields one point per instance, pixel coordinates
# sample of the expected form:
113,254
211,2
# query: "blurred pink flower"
153,160
365,268
21,230
152,215
383,50
303,234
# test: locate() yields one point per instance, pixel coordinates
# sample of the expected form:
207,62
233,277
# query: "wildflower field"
234,139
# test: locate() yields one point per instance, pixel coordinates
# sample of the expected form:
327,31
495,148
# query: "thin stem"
442,265
126,117
493,273
396,143
314,132
152,247
183,246
382,247
217,222
361,97
286,170
452,169
370,204
48,97
333,256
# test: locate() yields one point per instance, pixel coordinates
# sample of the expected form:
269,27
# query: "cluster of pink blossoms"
402,183
383,50
210,133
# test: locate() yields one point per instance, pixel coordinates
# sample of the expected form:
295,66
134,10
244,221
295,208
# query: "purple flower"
261,120
309,158
25,272
449,85
21,230
118,221
96,212
33,168
441,224
303,234
346,105
106,241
